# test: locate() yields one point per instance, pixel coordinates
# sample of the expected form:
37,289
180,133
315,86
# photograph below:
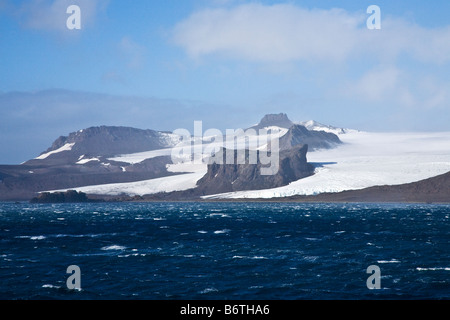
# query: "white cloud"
286,33
275,33
390,86
51,15
377,84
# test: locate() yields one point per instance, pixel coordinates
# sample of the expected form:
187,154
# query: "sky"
164,64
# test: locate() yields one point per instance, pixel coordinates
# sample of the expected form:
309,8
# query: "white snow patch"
66,147
167,184
316,126
141,156
170,139
186,167
84,161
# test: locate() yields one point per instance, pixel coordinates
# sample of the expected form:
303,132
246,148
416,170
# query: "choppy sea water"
237,251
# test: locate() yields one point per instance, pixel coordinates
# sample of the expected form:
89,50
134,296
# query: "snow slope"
366,160
317,126
167,184
66,147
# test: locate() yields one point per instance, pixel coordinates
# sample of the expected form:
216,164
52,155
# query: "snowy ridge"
66,147
317,126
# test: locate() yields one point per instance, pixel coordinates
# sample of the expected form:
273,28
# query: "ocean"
224,251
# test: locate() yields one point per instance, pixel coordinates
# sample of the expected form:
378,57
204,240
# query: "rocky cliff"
222,178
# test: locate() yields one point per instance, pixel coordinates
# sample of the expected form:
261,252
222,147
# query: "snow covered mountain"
101,142
116,161
317,126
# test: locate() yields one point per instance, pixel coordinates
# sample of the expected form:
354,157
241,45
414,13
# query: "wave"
32,237
208,290
251,258
433,269
114,247
390,261
222,231
50,286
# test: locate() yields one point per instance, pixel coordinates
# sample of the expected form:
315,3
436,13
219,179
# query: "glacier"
366,159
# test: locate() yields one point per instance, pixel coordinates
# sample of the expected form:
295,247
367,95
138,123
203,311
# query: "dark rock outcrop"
278,120
432,190
61,197
22,182
222,178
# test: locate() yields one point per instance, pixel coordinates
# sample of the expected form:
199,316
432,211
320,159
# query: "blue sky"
164,64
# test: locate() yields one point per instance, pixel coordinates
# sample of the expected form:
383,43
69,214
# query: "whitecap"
32,237
222,215
50,286
114,247
390,261
208,290
433,269
202,232
252,258
310,258
221,231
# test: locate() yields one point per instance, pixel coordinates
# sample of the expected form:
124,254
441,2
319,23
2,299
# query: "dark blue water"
224,251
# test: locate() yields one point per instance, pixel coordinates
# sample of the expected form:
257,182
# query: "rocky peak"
299,135
278,120
108,141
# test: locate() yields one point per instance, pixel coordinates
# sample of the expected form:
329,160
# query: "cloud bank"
287,33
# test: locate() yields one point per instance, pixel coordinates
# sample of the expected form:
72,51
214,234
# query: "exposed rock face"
61,197
298,135
103,141
222,178
278,120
